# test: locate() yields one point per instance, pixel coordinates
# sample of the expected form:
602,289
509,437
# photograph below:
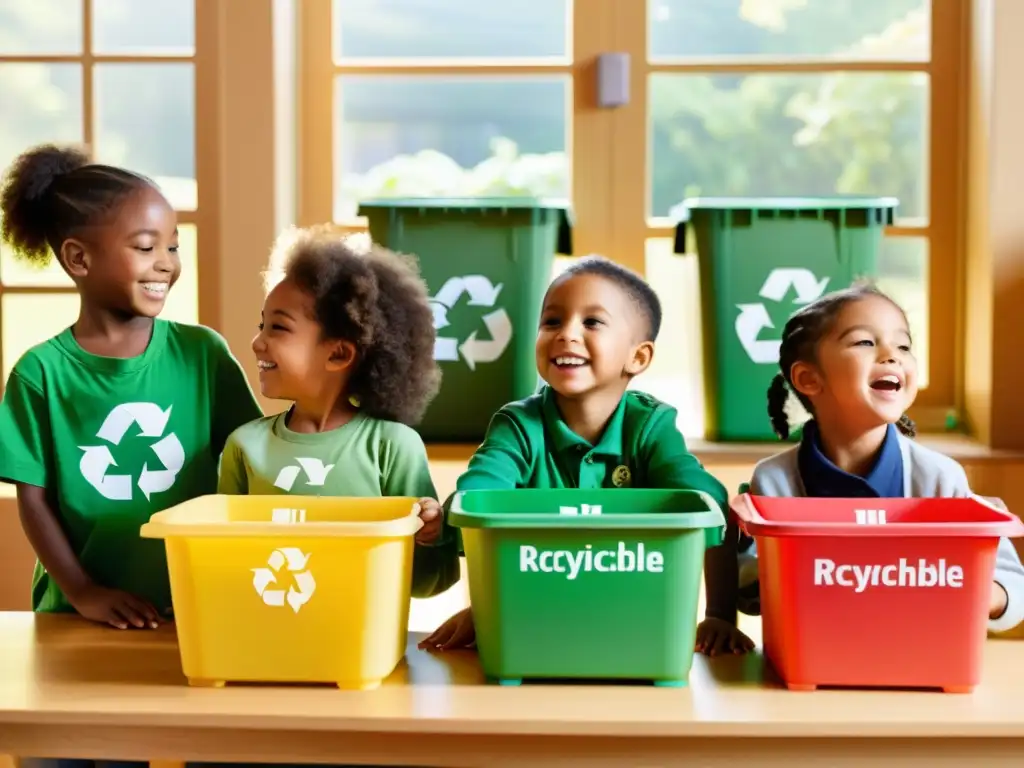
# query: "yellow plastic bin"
289,589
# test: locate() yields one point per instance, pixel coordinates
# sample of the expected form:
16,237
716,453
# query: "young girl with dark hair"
849,359
120,415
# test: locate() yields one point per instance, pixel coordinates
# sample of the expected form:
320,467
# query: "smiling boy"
584,429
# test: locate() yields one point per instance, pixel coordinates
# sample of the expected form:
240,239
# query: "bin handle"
998,505
415,513
679,239
745,511
993,503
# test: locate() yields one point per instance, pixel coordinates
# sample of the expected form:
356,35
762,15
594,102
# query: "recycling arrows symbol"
754,318
97,459
316,473
473,350
298,594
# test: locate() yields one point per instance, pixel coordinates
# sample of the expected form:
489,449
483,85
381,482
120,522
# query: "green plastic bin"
586,584
487,263
759,260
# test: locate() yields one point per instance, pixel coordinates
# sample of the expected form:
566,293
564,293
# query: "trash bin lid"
511,202
828,203
484,205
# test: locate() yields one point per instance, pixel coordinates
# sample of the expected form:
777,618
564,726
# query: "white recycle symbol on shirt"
499,326
97,460
297,594
316,473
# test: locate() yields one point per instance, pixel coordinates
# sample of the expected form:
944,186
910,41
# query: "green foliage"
737,135
429,173
759,134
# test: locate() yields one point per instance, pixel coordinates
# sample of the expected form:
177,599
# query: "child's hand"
997,603
433,518
716,636
457,632
116,608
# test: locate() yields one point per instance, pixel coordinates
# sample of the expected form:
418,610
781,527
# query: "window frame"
610,199
87,60
588,126
946,136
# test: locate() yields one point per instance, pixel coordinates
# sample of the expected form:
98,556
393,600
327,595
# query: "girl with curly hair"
347,336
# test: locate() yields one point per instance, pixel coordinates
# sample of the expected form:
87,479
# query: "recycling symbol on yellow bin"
473,350
265,579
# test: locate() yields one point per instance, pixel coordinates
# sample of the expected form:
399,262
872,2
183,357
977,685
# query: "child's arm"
671,465
722,575
234,403
1007,610
93,602
27,460
407,473
233,480
502,460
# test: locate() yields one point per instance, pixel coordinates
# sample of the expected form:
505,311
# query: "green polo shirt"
528,445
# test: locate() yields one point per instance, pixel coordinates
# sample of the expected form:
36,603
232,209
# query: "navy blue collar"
822,478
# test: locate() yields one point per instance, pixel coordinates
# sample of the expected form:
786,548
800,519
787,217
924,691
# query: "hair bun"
25,184
35,170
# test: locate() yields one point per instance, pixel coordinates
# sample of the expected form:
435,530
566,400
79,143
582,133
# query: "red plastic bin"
879,593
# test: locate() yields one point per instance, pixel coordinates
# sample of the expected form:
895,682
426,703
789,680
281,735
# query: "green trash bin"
586,584
487,263
759,260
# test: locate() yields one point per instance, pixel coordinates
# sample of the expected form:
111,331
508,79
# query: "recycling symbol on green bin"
472,349
754,318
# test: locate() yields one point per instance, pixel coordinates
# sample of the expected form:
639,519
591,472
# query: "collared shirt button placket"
591,474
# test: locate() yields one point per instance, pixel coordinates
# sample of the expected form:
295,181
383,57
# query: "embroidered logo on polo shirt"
622,477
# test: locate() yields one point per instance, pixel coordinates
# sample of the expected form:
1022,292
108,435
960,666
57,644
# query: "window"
424,97
797,97
728,98
120,76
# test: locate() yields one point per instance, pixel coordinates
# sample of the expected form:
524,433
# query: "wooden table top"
62,671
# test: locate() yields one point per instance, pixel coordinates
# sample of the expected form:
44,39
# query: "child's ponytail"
907,426
778,394
50,192
26,198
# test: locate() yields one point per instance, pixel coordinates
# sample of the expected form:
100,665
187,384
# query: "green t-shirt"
366,457
114,440
529,445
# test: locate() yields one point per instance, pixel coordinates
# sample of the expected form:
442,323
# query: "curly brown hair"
375,299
